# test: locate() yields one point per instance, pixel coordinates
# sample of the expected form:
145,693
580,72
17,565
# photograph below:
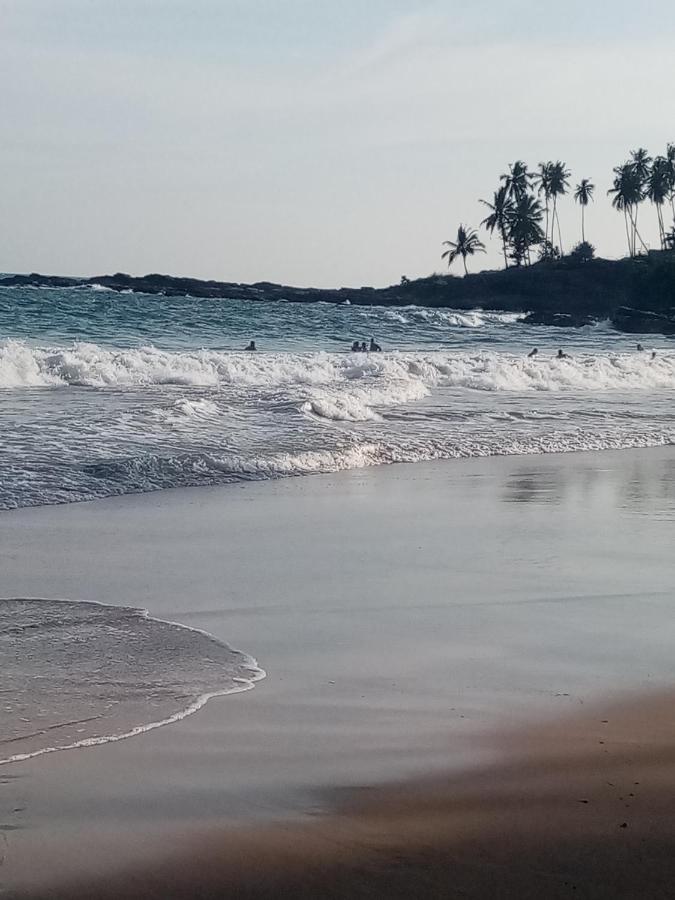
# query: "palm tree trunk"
506,260
555,201
559,234
636,234
583,232
625,222
466,271
546,235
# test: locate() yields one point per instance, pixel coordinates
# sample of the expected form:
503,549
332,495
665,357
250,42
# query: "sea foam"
91,365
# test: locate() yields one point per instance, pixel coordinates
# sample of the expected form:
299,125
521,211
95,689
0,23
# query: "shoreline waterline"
240,684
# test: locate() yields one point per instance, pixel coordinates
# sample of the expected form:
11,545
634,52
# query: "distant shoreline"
635,295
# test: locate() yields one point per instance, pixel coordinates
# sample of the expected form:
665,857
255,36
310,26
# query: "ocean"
106,393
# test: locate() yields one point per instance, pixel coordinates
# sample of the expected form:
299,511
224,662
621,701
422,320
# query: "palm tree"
518,179
543,181
657,190
583,195
559,184
524,228
628,192
500,210
670,159
641,161
467,244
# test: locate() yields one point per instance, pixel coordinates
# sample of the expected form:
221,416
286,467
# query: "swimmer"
251,346
563,355
374,348
640,348
364,347
356,346
532,353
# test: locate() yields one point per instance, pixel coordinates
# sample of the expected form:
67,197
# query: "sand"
404,615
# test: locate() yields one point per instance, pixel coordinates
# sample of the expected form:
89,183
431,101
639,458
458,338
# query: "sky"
311,142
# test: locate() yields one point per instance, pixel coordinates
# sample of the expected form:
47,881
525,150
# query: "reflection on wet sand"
646,483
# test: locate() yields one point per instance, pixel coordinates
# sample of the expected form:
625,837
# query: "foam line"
243,684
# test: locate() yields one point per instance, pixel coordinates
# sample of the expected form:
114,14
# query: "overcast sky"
310,141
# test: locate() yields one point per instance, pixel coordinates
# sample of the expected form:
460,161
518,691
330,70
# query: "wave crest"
407,375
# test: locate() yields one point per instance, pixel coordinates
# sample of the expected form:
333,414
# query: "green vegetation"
524,209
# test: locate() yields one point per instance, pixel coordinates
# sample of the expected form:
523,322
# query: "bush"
583,252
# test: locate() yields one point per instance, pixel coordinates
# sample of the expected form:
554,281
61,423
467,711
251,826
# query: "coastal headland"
636,295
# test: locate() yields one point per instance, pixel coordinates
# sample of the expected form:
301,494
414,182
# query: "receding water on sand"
79,674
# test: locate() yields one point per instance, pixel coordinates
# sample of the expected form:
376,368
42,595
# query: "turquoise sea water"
105,393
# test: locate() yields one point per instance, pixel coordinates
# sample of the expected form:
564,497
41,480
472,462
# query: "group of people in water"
357,347
560,354
373,347
362,347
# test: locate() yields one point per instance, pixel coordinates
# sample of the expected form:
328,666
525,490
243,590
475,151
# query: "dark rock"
643,321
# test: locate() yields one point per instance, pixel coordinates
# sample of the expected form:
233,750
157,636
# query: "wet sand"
403,614
583,808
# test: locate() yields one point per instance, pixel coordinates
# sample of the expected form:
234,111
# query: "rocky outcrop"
642,321
637,295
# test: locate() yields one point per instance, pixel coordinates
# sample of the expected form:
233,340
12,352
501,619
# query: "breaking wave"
150,473
91,365
477,318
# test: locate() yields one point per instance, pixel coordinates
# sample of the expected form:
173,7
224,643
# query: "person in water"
563,355
356,347
364,347
374,348
533,352
251,346
640,348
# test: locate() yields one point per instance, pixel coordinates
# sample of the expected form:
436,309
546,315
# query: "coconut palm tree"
524,228
559,184
670,159
583,195
517,181
657,190
641,161
542,180
500,210
628,192
467,244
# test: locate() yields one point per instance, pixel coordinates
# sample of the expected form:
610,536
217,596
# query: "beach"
403,615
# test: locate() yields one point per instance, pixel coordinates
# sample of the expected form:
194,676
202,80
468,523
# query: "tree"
467,244
559,184
627,190
583,252
670,160
500,211
657,189
517,181
641,161
543,181
524,228
583,195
